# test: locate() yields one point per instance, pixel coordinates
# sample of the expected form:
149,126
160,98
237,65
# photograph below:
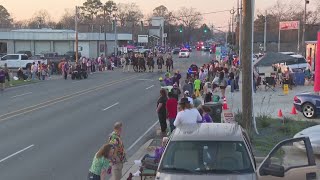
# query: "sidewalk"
147,148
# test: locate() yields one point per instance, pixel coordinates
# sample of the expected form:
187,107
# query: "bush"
264,121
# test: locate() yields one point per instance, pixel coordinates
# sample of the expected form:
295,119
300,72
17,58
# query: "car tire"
308,110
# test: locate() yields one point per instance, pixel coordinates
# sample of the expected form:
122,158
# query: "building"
156,31
60,41
311,53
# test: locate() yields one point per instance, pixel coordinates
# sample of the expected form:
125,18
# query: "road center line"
110,106
145,79
18,152
149,87
135,143
21,95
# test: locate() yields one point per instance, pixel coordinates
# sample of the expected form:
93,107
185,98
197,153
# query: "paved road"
51,130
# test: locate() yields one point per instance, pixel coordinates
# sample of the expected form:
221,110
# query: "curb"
129,167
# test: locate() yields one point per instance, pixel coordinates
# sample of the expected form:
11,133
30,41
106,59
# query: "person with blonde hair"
101,164
119,155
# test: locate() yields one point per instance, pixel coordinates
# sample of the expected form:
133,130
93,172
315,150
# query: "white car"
19,61
184,53
314,134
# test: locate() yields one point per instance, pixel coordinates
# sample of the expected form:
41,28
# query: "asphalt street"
52,129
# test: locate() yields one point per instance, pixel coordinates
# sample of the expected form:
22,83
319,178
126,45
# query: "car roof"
208,132
297,56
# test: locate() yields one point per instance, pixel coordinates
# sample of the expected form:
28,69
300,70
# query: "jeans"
163,122
171,121
92,176
236,84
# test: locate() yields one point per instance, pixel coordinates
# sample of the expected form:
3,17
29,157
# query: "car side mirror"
273,170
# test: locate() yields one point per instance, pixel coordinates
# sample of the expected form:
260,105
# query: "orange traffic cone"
294,111
280,115
225,104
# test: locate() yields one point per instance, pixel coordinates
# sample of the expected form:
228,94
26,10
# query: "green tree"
90,9
5,18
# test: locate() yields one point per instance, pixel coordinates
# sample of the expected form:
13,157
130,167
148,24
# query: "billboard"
289,25
143,38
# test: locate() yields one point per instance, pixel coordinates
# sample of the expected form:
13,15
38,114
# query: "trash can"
216,110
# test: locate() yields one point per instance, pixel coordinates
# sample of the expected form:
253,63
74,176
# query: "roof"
272,58
208,132
44,30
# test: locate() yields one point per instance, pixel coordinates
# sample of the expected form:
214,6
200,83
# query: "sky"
24,9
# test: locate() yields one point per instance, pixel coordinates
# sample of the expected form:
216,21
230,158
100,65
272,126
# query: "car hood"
312,132
167,176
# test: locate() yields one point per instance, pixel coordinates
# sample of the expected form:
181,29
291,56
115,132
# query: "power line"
201,14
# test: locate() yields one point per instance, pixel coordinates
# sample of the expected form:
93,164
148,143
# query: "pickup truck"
19,61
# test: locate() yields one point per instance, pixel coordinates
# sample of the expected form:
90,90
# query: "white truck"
19,61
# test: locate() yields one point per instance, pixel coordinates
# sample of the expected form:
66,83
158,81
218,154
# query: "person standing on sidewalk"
119,155
161,110
65,70
2,79
171,107
100,164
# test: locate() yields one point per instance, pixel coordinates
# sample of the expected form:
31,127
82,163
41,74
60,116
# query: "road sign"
228,117
143,38
288,25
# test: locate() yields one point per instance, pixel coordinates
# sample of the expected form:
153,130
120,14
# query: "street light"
304,26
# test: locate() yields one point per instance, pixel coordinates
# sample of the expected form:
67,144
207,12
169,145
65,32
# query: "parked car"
308,104
25,52
314,134
184,53
222,151
299,62
71,55
19,61
176,51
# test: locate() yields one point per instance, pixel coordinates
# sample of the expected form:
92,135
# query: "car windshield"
184,50
206,157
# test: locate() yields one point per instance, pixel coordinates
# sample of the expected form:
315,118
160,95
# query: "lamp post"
304,27
76,31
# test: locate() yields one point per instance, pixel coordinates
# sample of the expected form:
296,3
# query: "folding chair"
269,83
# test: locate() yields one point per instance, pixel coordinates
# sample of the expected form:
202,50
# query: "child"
162,84
206,118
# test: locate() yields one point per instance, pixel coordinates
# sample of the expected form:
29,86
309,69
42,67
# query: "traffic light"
205,30
181,29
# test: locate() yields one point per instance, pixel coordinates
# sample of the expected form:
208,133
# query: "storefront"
311,53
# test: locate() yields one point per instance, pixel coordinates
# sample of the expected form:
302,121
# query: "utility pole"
240,30
265,33
246,62
304,27
76,30
232,26
115,37
105,31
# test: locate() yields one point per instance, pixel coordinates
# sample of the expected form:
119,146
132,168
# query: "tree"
5,18
129,13
67,20
41,19
162,11
189,17
90,9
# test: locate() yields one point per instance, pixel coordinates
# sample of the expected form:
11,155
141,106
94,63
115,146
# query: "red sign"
289,25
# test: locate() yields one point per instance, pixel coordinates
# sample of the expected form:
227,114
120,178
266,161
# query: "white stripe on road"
135,143
145,79
16,87
75,82
21,95
110,106
149,87
18,152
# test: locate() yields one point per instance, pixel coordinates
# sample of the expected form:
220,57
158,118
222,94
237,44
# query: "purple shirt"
168,81
206,118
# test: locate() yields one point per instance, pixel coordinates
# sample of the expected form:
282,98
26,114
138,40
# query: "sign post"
289,25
